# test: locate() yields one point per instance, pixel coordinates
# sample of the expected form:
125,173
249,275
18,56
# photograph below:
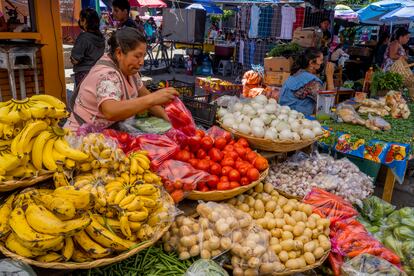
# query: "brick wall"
29,80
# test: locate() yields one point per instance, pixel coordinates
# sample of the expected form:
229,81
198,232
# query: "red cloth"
300,18
147,3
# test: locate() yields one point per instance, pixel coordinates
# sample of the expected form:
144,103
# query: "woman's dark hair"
92,20
383,37
325,19
122,5
400,32
303,60
127,39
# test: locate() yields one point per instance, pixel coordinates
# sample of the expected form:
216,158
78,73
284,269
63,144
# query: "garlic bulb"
317,131
237,107
262,99
307,134
257,122
282,126
258,131
286,134
271,134
244,128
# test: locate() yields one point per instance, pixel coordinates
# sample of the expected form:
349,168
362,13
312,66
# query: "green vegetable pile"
385,81
401,130
152,125
394,228
286,50
152,261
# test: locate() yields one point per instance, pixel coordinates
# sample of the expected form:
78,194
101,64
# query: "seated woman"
300,90
113,90
395,49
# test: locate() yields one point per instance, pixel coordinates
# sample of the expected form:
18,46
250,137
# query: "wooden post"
388,186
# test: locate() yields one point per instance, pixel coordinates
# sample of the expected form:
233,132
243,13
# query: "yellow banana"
9,161
24,113
113,225
126,200
148,202
81,199
80,256
14,245
58,157
63,148
53,101
5,211
50,257
125,229
38,146
135,226
85,167
143,161
68,249
105,154
135,205
60,180
145,189
47,156
93,249
69,163
63,208
101,195
28,132
95,164
8,132
4,143
59,114
81,183
137,216
111,197
120,196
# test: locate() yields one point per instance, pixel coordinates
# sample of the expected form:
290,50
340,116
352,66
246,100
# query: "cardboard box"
306,37
275,78
278,64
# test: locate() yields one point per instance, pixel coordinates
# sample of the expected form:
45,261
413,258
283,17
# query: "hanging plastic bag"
180,117
205,267
159,147
367,264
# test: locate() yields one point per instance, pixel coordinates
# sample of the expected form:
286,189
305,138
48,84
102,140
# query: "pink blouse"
101,84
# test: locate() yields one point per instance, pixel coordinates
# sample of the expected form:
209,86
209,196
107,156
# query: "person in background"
395,49
139,24
150,30
120,11
113,90
324,26
89,45
380,48
300,90
3,23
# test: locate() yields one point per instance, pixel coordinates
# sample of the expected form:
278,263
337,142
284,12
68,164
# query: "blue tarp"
401,16
209,8
372,13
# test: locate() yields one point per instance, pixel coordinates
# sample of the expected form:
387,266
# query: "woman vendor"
300,90
395,50
113,90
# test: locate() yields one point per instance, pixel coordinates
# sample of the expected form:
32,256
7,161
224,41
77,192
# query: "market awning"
372,13
147,3
211,8
346,13
403,15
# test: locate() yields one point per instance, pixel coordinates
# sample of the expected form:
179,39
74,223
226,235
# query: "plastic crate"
184,88
203,112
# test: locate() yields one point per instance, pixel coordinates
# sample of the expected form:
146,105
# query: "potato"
258,214
259,206
287,245
286,235
270,206
303,239
214,242
250,243
245,222
215,253
271,223
276,232
318,253
290,221
214,216
283,256
208,234
307,209
237,236
244,207
326,231
311,224
278,213
307,232
225,243
322,238
298,230
268,187
298,245
287,228
277,248
268,215
251,272
292,254
287,208
195,250
274,193
246,252
315,233
326,245
309,247
222,228
262,222
266,198
204,223
266,269
250,201
282,201
315,216
188,241
184,255
301,262
309,258
253,262
259,188
292,264
280,222
237,271
293,203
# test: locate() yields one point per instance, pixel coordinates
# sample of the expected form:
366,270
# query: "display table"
215,87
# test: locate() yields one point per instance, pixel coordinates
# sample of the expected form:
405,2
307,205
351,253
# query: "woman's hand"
163,96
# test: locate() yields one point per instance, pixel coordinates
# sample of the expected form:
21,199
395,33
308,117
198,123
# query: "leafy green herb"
285,50
386,81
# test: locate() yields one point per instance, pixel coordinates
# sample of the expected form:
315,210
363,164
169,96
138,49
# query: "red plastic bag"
330,206
159,147
177,136
180,117
180,178
349,239
216,132
125,141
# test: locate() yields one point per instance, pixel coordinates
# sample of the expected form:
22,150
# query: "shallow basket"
223,195
269,145
95,263
15,184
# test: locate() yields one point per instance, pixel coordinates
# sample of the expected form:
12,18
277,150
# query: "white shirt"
288,18
254,21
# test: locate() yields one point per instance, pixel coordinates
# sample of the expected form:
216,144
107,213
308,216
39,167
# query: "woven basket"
401,67
288,196
92,264
14,184
223,195
275,146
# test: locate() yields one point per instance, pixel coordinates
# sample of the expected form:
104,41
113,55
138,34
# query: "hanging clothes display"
300,18
241,51
254,21
243,18
260,52
265,21
276,22
288,18
252,49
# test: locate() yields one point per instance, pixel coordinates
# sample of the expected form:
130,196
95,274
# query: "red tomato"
183,155
193,162
232,142
134,144
226,170
243,142
261,163
169,186
238,164
253,174
207,143
203,165
188,186
215,154
220,143
224,179
223,186
178,184
177,195
200,133
229,148
227,162
201,185
194,143
234,175
232,154
251,156
213,181
204,189
201,154
244,181
192,156
243,170
227,136
240,151
123,137
234,184
215,169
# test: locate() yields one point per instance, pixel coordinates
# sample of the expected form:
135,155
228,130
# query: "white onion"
237,107
291,120
272,101
257,106
258,131
307,123
270,108
229,122
317,130
296,136
261,99
245,119
270,134
244,128
257,122
275,122
315,123
246,109
222,111
282,126
266,119
307,134
228,115
293,113
283,117
285,134
295,126
261,111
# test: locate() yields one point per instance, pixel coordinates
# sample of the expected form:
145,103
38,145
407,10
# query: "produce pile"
263,231
264,118
394,228
299,174
32,142
369,265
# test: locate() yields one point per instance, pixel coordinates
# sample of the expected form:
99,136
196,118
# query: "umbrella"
345,13
147,3
372,13
212,9
403,15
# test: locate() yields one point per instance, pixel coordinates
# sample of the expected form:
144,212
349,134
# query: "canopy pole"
391,30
